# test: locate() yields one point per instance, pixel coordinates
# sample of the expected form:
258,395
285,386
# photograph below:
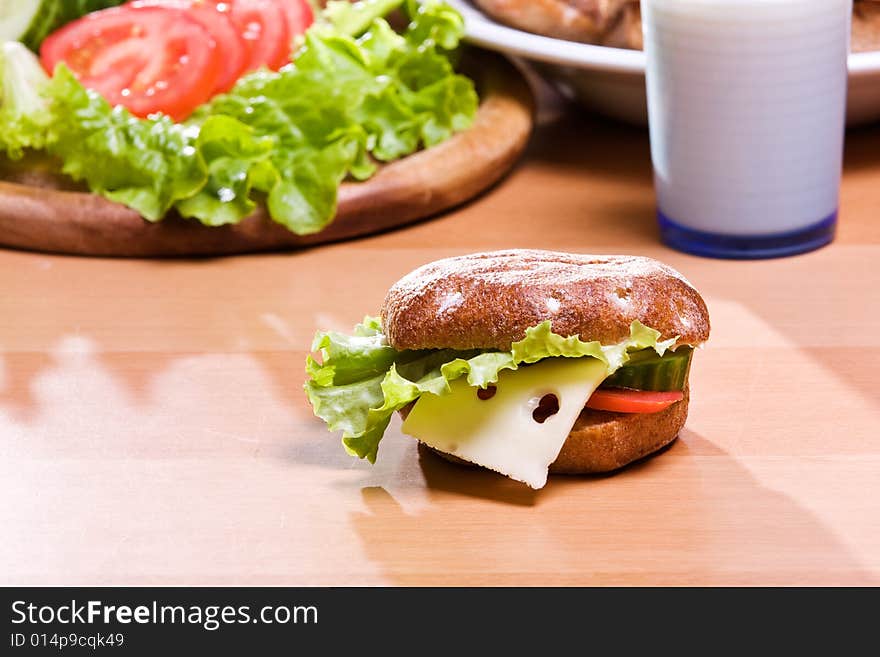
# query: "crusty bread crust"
618,24
488,300
603,442
590,21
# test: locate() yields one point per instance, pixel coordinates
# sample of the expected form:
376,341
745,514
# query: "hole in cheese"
547,407
504,436
486,393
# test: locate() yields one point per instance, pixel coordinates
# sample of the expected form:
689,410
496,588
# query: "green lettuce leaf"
238,162
24,115
434,22
353,18
361,381
540,342
146,164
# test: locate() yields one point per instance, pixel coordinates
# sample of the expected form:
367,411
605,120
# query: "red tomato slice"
214,17
262,25
624,400
299,16
149,59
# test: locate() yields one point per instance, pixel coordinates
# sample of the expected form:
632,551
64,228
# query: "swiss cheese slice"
500,433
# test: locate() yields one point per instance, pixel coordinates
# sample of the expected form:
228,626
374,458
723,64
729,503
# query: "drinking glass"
747,105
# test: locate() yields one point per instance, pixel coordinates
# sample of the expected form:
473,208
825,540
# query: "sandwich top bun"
488,300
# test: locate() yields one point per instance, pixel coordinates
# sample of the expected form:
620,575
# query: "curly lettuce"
361,381
24,109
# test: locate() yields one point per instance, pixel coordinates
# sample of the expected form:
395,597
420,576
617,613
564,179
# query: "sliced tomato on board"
171,56
299,16
624,400
268,28
262,25
214,17
149,59
249,33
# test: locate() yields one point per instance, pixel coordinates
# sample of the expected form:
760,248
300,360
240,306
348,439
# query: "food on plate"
865,26
618,23
520,361
203,109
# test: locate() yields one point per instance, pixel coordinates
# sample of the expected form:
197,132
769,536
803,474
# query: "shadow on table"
862,148
615,150
630,528
821,305
479,483
617,154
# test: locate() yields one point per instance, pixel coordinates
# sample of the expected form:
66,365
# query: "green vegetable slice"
647,370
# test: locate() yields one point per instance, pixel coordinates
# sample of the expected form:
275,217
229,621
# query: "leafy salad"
194,106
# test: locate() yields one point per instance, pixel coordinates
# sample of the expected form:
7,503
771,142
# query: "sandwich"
618,23
525,362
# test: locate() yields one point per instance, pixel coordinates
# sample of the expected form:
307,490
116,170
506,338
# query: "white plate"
612,80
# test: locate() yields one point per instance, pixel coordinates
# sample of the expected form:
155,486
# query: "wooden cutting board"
40,211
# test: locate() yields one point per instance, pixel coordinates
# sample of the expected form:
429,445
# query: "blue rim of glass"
747,247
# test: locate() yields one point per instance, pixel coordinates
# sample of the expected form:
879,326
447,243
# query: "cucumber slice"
645,370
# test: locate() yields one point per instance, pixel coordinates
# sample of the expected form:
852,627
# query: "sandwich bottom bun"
601,441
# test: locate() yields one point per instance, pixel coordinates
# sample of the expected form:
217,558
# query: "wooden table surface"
153,428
